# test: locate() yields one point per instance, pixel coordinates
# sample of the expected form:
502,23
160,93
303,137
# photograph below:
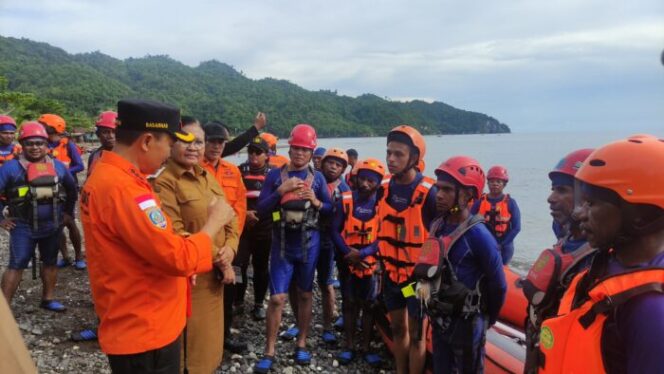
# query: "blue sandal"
62,263
329,337
84,335
302,356
346,357
52,305
339,323
290,334
373,359
264,365
80,265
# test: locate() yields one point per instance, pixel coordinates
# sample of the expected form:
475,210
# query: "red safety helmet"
465,170
415,137
53,120
304,136
7,120
571,163
370,164
498,172
107,119
336,153
32,130
630,167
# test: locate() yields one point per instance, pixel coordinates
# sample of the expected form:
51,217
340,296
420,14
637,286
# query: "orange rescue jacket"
230,180
136,263
277,161
60,152
401,234
572,342
358,234
496,217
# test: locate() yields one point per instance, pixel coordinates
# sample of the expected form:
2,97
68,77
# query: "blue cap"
320,151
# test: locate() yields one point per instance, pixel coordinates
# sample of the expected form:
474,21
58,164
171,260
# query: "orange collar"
123,164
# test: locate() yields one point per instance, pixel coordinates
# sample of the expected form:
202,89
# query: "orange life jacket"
61,152
15,151
401,234
572,342
496,217
359,234
277,161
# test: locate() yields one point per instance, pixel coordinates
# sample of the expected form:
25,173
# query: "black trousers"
254,248
165,360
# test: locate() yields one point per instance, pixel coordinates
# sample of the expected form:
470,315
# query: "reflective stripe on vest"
358,234
253,183
401,234
572,342
497,217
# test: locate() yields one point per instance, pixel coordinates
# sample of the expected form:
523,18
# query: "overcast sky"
534,65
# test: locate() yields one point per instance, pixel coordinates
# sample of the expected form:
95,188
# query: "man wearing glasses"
40,193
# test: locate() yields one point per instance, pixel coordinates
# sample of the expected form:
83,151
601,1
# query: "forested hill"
40,77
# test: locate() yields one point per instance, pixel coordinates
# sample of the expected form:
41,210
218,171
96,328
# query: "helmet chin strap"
456,208
410,165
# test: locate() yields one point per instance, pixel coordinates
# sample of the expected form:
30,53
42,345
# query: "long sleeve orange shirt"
137,264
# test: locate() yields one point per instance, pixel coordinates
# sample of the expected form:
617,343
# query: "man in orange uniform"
138,265
227,174
229,178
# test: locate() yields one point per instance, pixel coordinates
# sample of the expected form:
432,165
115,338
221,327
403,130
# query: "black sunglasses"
34,143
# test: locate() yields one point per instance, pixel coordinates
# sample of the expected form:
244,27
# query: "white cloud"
520,61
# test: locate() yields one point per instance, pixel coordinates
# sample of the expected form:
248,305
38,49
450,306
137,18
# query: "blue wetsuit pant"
293,265
23,241
459,348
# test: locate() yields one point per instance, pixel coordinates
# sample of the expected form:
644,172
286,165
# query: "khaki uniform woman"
186,190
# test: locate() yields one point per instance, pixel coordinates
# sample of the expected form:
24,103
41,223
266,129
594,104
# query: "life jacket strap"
613,301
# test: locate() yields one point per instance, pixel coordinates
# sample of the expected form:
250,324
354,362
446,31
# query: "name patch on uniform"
145,202
156,217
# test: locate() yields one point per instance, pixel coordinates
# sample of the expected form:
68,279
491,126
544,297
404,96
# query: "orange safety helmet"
421,166
630,167
32,130
370,164
107,119
415,137
303,135
54,121
336,153
465,170
7,120
498,172
270,139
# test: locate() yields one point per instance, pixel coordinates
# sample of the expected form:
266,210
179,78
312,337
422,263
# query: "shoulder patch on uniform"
145,202
156,217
